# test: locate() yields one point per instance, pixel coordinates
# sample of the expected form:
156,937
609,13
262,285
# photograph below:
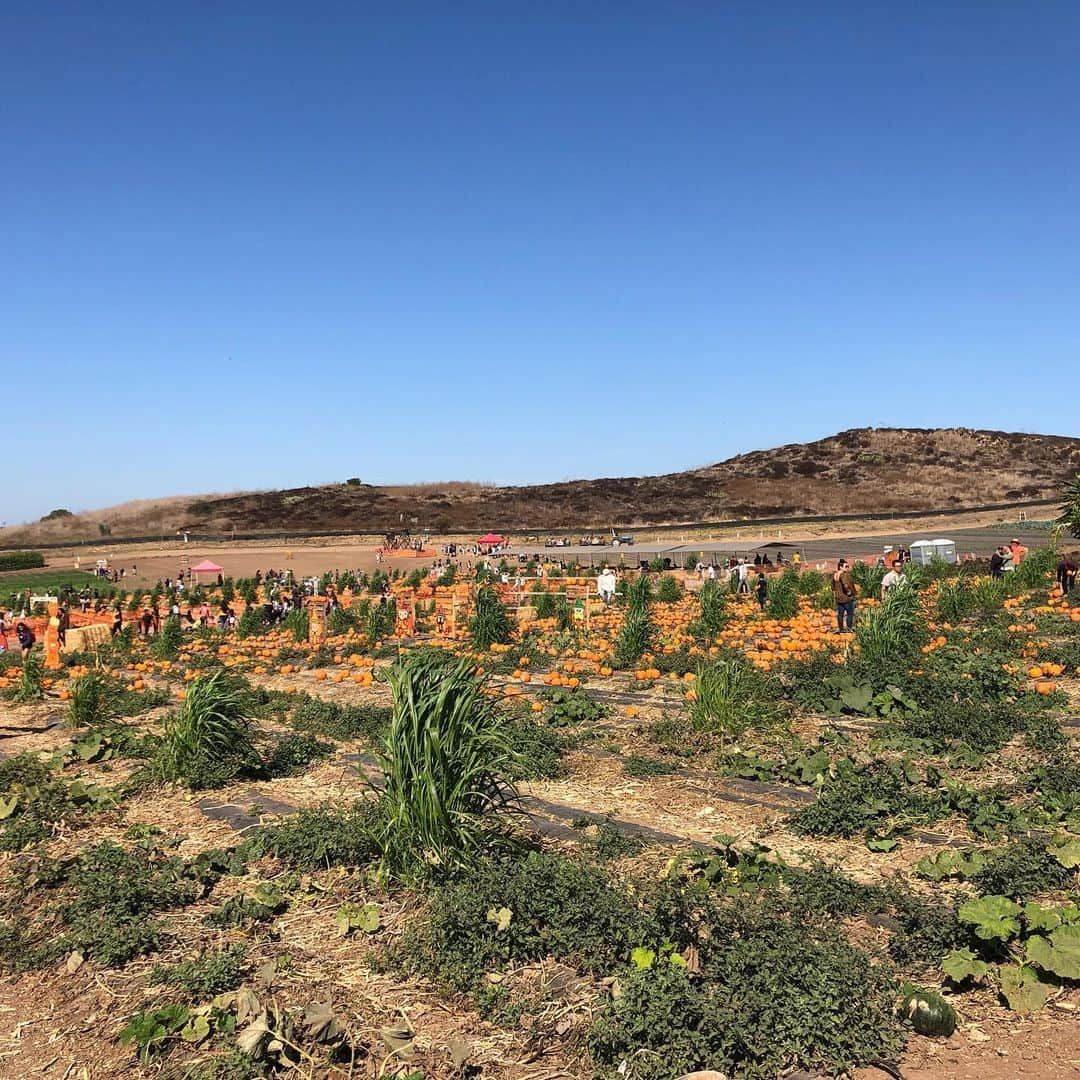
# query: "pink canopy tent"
492,538
205,567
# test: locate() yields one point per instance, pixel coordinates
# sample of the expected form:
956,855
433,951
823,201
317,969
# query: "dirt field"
630,769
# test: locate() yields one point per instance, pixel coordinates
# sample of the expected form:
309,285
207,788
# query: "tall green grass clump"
208,741
490,624
446,760
730,698
1036,569
954,600
94,700
669,590
867,577
636,633
893,630
713,614
166,645
543,602
811,582
783,596
30,686
380,621
298,622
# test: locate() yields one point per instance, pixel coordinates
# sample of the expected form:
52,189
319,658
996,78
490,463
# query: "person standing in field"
1018,551
997,562
1066,573
605,585
893,577
762,589
26,638
844,592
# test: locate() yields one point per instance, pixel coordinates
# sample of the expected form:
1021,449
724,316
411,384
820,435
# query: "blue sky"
284,244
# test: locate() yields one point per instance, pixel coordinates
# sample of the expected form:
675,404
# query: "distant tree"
53,515
1070,512
354,481
104,529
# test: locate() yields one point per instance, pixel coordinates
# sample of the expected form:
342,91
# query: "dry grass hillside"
864,470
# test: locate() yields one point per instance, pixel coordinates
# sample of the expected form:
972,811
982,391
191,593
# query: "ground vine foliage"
495,812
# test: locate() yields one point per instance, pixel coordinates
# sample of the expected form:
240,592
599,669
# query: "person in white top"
743,570
605,585
892,578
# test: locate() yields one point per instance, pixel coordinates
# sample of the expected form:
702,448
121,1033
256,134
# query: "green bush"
1022,869
105,903
38,800
569,706
774,995
536,748
317,839
212,972
21,560
669,591
565,908
367,723
294,753
858,798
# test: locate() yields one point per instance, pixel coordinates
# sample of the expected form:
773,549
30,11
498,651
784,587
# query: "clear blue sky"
523,242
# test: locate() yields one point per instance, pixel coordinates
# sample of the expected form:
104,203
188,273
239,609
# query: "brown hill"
865,470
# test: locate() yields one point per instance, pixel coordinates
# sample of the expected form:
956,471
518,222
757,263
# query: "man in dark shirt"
997,561
844,592
1066,573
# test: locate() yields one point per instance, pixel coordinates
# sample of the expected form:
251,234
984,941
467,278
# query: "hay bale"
85,638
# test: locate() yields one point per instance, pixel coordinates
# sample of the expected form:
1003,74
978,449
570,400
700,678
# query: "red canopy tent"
491,538
205,567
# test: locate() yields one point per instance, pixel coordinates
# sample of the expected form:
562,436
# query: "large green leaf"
1021,988
1059,954
1066,849
963,964
858,698
1038,917
993,917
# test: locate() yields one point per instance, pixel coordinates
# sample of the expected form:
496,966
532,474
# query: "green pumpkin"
929,1013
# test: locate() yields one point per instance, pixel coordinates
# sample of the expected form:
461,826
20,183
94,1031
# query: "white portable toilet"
945,549
922,551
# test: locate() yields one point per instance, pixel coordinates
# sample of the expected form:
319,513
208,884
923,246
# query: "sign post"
52,637
317,606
